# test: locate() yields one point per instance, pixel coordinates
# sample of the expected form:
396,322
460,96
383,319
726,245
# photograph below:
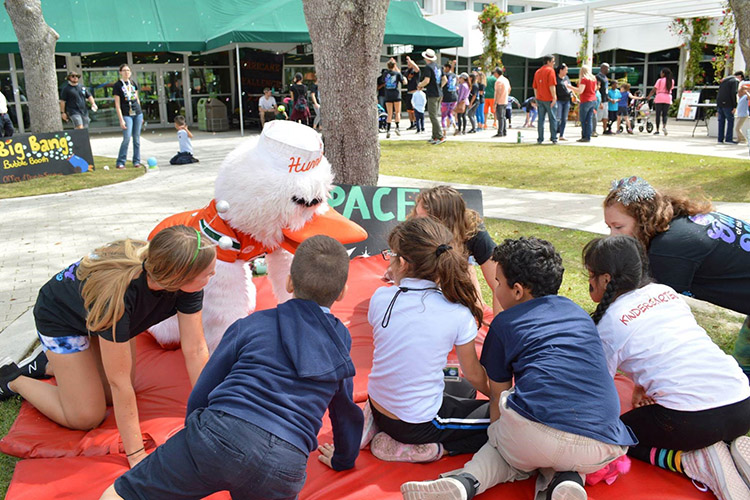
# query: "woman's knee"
85,419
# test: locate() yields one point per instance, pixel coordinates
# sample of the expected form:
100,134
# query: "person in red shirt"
545,83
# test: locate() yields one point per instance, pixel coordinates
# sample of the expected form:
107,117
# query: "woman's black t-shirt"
480,97
392,81
127,92
480,246
450,88
298,90
474,94
59,309
706,256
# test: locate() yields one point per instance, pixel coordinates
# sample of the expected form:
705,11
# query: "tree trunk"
36,42
741,10
347,38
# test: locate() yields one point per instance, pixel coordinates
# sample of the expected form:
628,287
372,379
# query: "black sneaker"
35,364
566,486
9,371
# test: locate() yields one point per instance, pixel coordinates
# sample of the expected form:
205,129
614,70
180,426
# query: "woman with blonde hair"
88,315
586,91
446,204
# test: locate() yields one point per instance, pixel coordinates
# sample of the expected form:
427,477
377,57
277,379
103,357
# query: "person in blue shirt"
612,104
553,403
255,412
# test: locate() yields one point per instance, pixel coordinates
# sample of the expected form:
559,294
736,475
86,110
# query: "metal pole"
589,36
239,92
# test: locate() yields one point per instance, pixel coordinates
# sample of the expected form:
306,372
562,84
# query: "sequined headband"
633,190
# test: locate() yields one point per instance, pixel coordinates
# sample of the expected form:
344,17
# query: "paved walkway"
42,234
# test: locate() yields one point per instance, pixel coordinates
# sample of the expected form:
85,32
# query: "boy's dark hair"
319,270
624,259
741,74
498,71
533,263
179,120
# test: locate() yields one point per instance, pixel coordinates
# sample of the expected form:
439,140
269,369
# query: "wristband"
143,448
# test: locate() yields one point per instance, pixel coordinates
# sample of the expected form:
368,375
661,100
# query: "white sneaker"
446,488
713,466
569,490
741,454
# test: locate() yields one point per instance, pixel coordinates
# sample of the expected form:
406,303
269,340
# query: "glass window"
299,59
6,87
479,6
106,116
537,8
420,3
665,55
104,60
604,57
205,81
629,57
4,62
215,59
100,82
455,5
308,75
654,72
61,62
516,9
157,58
511,60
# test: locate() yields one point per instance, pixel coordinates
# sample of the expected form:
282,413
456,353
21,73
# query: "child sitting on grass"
689,395
185,155
561,418
255,412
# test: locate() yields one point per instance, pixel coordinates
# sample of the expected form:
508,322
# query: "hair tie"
633,190
197,247
441,249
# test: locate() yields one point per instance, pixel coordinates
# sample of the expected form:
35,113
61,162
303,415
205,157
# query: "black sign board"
379,209
28,156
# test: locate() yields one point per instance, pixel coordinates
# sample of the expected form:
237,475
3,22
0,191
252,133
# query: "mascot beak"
330,223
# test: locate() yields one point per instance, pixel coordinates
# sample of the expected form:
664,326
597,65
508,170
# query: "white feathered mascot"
270,195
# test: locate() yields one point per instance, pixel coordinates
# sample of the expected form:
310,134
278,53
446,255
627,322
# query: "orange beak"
330,223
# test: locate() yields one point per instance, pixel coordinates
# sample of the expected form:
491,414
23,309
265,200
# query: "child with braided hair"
433,308
691,248
690,398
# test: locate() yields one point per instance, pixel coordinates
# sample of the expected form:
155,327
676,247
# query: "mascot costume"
270,195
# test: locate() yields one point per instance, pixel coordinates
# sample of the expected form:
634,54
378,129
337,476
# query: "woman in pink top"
463,103
663,90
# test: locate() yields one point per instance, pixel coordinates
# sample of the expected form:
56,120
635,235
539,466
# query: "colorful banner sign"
28,156
379,209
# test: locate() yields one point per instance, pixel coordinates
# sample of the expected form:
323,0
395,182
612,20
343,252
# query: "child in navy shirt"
255,412
562,413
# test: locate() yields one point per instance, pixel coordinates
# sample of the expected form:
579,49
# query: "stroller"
382,119
640,116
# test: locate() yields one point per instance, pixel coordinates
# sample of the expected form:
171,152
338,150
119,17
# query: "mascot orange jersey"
244,247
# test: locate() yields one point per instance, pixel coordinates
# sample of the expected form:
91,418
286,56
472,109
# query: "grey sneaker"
741,454
713,466
446,488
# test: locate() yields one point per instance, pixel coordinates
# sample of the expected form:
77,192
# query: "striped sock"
667,459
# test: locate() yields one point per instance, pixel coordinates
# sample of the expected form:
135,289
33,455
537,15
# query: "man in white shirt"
266,107
6,125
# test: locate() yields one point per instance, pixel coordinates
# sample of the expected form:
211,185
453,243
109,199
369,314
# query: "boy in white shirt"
266,107
185,155
418,102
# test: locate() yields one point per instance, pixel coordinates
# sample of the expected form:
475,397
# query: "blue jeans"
214,452
545,108
586,115
133,130
562,116
726,123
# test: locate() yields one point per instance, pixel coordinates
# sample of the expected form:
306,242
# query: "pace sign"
379,209
28,156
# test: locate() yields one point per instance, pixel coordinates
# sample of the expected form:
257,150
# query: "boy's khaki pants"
518,447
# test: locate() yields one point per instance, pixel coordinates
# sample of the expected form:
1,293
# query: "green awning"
201,25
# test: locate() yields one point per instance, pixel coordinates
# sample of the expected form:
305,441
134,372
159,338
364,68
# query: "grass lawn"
564,169
721,327
73,182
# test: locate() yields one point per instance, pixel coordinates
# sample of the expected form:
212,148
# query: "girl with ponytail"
684,384
87,317
433,308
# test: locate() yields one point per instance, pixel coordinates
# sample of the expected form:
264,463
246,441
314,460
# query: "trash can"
202,113
216,115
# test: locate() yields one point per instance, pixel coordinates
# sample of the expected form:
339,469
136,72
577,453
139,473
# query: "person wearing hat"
73,97
432,81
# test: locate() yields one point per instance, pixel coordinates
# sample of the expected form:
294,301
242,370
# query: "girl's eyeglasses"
388,254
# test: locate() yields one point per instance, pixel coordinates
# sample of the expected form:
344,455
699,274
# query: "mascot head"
274,183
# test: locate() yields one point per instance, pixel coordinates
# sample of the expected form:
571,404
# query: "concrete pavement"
41,234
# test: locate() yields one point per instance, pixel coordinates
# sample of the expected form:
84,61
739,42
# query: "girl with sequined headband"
416,324
87,317
690,398
691,248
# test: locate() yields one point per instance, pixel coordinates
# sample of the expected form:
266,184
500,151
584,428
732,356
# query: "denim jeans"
726,124
562,116
480,113
546,108
502,126
586,115
214,452
133,124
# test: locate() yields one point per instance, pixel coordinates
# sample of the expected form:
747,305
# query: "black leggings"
661,111
658,427
461,121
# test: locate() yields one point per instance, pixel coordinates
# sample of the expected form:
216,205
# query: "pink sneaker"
714,467
388,449
370,428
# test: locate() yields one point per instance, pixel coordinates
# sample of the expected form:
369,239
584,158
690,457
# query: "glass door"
147,79
161,88
174,93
